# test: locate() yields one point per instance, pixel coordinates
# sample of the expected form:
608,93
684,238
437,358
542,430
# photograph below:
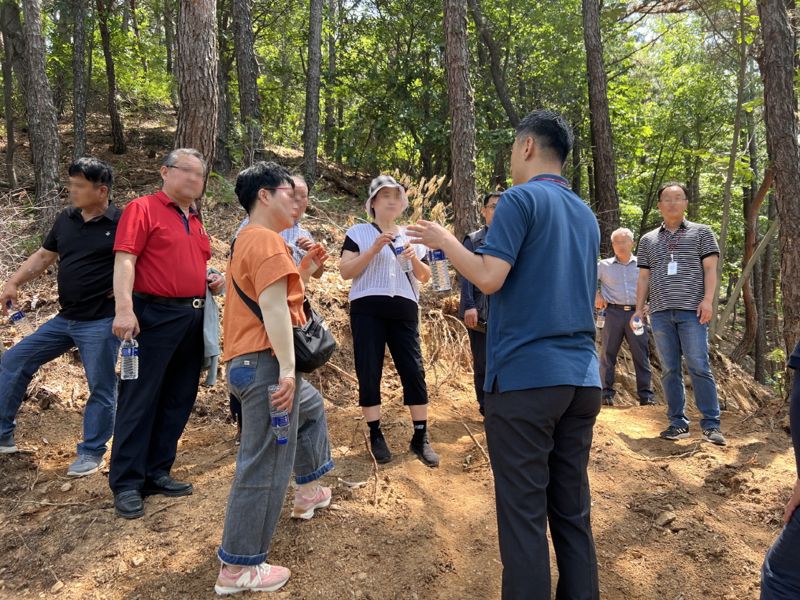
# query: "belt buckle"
198,303
627,308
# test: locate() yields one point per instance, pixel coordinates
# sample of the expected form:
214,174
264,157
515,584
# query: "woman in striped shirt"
384,312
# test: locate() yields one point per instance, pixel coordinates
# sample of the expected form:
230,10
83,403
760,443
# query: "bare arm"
706,308
125,325
33,266
421,271
487,272
278,325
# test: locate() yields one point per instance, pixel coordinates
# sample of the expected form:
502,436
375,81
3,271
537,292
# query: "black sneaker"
380,450
674,433
608,400
714,436
425,452
647,402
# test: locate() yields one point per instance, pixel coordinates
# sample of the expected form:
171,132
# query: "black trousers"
616,328
477,343
539,441
153,410
371,335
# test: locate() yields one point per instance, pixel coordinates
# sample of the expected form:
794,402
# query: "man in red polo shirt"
160,286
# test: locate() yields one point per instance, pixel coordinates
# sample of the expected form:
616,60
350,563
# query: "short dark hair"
94,170
257,177
670,184
491,195
550,130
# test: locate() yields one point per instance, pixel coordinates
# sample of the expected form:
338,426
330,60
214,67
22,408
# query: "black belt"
193,302
625,307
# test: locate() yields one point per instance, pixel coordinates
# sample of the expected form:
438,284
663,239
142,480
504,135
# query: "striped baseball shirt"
687,247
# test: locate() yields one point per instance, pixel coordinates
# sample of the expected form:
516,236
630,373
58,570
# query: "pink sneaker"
258,578
304,506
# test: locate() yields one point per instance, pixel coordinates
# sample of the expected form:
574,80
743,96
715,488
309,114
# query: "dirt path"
432,533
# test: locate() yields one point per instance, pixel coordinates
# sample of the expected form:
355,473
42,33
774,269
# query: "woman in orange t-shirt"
259,356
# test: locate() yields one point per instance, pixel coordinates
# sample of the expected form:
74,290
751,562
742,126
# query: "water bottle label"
280,420
437,255
17,316
128,352
399,250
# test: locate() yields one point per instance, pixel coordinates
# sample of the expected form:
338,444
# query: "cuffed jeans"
539,441
676,333
98,348
263,467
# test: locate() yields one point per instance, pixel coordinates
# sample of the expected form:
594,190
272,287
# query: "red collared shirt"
172,249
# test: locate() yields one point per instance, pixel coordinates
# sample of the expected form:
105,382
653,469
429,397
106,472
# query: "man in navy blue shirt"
542,378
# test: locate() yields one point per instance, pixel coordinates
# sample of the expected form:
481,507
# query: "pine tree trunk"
197,78
42,129
56,41
311,124
117,131
461,107
223,163
329,126
247,70
8,109
169,41
577,167
780,103
79,77
605,177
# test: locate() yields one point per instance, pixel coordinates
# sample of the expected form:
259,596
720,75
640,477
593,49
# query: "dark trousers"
539,441
477,343
152,410
618,327
371,335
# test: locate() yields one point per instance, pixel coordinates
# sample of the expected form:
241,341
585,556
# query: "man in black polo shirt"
678,270
82,239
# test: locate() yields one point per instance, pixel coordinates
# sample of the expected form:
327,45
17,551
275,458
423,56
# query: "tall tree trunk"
605,177
197,78
311,123
42,129
169,41
223,163
495,68
8,109
780,105
117,131
577,167
462,116
138,36
79,77
247,69
768,312
14,42
56,42
329,125
732,158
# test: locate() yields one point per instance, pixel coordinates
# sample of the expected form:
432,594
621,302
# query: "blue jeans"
98,348
676,333
780,575
263,467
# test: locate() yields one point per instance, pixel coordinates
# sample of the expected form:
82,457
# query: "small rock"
676,527
163,590
334,507
362,576
57,587
66,487
137,561
665,518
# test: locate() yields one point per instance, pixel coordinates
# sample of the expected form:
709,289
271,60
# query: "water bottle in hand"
440,276
637,326
20,322
129,359
405,264
600,320
279,418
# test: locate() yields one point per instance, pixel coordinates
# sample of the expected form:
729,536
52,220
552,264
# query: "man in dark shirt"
474,304
780,575
82,239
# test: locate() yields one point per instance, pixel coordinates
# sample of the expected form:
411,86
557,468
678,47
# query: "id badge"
672,268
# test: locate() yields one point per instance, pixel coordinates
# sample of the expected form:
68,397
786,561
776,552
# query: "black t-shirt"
85,263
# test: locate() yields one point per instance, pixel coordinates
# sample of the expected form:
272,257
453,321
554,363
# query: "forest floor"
678,521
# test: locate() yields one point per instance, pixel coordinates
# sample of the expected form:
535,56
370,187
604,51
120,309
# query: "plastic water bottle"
279,418
638,326
405,264
600,320
439,273
18,319
129,359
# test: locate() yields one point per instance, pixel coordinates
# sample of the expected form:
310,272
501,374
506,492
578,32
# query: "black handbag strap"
249,302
